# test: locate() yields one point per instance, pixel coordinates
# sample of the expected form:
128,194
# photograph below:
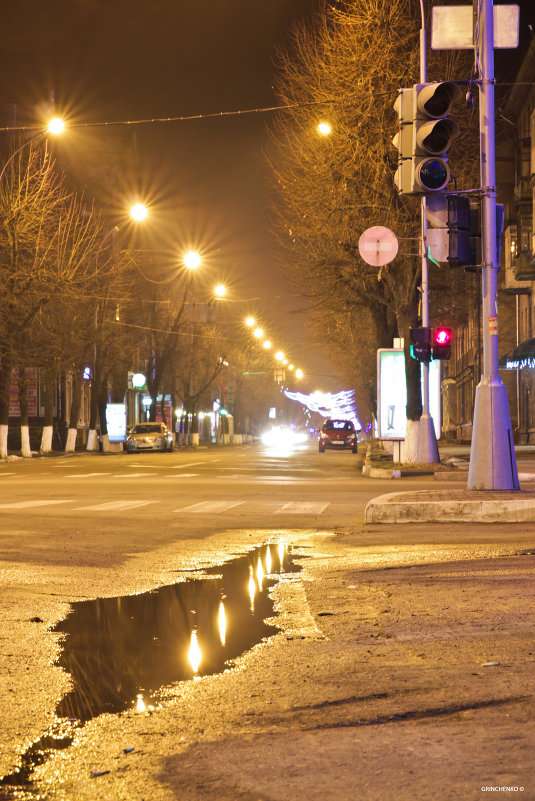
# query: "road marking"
29,504
192,464
114,506
303,508
130,475
181,475
84,475
210,507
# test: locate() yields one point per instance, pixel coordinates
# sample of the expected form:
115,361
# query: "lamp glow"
324,128
258,333
267,344
56,126
139,212
192,260
249,321
194,653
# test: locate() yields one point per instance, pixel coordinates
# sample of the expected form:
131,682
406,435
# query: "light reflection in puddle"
120,652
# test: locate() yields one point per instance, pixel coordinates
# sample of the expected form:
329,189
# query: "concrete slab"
452,506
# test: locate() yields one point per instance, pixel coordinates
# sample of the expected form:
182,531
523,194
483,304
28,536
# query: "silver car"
149,437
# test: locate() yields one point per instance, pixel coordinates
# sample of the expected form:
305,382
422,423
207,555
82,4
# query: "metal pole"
492,455
427,441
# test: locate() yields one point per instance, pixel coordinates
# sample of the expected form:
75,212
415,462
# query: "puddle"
120,652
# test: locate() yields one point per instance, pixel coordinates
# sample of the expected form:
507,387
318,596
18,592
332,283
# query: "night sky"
113,60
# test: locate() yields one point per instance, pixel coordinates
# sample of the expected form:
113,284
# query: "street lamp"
220,291
267,344
324,128
279,356
56,126
192,260
249,322
258,333
298,373
139,212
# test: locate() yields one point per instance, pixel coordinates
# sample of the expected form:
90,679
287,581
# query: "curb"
474,507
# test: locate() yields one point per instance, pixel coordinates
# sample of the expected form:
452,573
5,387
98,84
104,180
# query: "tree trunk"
48,424
5,386
24,424
194,426
92,436
101,404
74,415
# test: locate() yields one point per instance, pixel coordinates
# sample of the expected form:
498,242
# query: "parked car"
338,435
149,437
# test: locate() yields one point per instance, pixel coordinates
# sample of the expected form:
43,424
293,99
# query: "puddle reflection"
120,651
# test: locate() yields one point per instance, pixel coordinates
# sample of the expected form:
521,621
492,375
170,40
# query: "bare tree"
328,190
31,196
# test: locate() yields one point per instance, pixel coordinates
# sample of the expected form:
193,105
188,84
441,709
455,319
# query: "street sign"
378,246
452,27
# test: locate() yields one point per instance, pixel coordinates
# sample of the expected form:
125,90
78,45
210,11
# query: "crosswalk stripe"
131,475
84,475
29,504
181,475
113,506
207,507
304,508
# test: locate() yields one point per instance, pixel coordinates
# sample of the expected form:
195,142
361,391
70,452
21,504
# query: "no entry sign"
378,246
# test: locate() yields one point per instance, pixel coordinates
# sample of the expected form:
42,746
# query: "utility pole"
427,441
492,455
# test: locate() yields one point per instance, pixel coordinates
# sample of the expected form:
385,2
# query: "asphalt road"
403,670
119,499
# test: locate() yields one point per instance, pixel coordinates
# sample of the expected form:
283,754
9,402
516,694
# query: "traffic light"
448,237
424,137
433,133
442,342
420,344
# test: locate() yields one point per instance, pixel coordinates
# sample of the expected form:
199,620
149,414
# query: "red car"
338,435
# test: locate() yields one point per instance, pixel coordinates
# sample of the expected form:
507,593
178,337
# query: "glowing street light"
279,356
324,128
139,212
267,344
249,321
258,333
56,126
192,260
220,291
290,367
298,373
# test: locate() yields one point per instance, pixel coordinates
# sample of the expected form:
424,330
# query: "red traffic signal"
442,338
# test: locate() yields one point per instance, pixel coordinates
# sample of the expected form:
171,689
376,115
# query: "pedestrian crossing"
207,507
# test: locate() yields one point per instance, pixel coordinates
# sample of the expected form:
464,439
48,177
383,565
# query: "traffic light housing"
433,134
420,348
442,338
425,134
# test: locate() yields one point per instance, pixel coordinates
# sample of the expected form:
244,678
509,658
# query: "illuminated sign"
392,394
116,421
138,381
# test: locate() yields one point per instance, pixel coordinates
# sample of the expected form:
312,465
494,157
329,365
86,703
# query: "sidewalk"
403,672
453,505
